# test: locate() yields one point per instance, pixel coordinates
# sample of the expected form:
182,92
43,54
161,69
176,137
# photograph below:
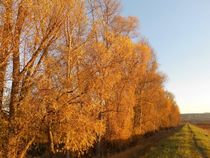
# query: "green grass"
202,139
187,142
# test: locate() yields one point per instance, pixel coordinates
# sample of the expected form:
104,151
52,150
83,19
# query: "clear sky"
179,32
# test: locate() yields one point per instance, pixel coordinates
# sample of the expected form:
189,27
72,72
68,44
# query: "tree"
71,75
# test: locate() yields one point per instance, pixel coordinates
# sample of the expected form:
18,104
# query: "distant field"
203,118
204,126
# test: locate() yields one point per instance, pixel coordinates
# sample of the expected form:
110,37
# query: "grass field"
197,118
204,126
188,141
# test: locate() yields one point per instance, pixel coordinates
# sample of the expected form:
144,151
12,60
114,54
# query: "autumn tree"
29,29
71,76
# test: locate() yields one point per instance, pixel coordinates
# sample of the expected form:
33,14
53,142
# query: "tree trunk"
15,93
2,71
24,151
98,147
5,46
15,89
67,154
51,141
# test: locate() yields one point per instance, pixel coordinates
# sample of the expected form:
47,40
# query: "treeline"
71,76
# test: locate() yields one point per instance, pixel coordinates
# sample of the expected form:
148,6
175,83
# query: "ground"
187,141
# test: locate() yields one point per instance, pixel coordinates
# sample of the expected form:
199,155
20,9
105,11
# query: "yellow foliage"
74,76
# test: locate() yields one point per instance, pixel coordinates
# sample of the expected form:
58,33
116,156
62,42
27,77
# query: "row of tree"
71,76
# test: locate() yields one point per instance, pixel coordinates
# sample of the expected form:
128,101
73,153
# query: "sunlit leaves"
77,77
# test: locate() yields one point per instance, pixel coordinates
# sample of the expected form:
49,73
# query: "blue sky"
179,32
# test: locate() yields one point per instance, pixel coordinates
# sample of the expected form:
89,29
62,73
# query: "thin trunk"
98,147
2,72
67,154
15,87
2,76
5,46
24,151
141,115
51,141
15,93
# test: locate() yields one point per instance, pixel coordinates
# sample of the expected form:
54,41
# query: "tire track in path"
199,149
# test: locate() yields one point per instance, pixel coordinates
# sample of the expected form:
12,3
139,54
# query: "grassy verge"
144,144
187,142
202,139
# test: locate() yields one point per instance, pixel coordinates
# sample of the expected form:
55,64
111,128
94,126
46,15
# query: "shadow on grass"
131,148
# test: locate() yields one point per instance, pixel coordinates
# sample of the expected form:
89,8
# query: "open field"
185,142
197,118
204,126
